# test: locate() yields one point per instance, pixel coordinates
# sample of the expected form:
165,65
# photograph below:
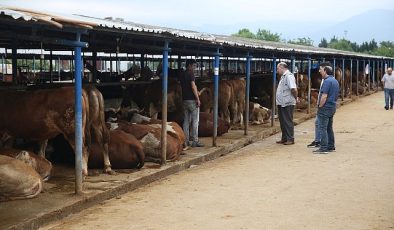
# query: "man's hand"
198,103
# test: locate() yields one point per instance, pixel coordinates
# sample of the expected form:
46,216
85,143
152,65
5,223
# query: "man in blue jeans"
191,106
327,103
316,142
388,85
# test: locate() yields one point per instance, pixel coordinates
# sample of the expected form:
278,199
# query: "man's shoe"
197,144
314,144
386,108
280,142
331,150
319,151
289,143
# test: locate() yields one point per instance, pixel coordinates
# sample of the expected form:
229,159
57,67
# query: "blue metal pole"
164,105
351,77
292,64
302,66
357,72
309,83
216,96
78,118
273,91
14,62
373,73
333,67
343,79
246,117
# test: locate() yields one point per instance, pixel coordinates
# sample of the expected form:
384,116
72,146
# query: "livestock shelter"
95,38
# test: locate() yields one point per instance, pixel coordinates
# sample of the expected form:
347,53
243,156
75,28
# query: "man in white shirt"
286,97
388,85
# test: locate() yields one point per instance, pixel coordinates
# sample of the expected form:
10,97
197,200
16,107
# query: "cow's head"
40,164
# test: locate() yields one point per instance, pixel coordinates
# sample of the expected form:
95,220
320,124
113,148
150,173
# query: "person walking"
388,85
327,102
191,105
286,98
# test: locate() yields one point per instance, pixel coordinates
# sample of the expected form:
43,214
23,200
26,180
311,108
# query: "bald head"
389,71
282,68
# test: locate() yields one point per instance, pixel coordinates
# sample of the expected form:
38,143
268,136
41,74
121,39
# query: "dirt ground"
271,186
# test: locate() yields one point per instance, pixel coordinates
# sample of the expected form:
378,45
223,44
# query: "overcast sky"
219,12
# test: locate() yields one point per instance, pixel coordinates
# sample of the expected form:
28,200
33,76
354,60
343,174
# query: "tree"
245,33
267,35
323,43
302,41
341,44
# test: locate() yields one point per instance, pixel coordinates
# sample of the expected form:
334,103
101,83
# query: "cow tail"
85,108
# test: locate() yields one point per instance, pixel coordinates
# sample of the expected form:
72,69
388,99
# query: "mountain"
373,24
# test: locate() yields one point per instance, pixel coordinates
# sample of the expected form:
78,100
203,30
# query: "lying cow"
18,180
205,125
42,166
150,137
258,114
125,152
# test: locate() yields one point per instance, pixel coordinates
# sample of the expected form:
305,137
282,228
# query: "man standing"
191,106
388,85
327,103
286,97
316,142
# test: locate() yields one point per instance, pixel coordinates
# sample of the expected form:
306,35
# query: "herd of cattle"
126,132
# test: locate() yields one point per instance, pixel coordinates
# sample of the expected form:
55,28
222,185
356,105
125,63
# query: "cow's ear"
23,156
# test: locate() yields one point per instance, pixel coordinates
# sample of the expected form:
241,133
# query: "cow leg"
153,111
43,147
101,136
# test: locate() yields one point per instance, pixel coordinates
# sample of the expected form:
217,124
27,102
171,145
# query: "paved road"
270,186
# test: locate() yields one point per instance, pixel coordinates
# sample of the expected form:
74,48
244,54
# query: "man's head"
325,69
190,64
282,68
389,71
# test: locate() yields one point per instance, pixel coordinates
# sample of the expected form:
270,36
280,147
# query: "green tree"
341,44
306,41
267,35
245,33
323,43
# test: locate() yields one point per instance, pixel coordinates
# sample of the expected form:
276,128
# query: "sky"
214,16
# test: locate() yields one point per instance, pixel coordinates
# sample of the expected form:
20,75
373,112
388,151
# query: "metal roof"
87,22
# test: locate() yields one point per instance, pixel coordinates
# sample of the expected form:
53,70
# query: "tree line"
384,48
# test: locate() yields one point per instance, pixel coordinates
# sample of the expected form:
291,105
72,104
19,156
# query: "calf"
258,114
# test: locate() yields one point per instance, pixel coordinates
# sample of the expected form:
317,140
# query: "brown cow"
205,125
150,135
43,114
239,88
18,180
125,151
39,163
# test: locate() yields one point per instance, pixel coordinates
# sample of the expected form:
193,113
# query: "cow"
42,166
43,114
18,180
226,100
239,88
150,135
258,114
97,131
125,152
205,125
154,99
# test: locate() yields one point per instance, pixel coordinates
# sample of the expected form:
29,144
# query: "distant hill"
377,24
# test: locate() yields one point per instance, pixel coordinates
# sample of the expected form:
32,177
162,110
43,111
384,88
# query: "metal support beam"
273,91
246,115
369,75
351,78
292,64
50,67
164,105
94,64
216,96
309,84
357,71
343,79
78,119
14,62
